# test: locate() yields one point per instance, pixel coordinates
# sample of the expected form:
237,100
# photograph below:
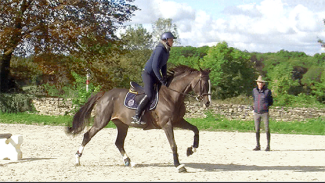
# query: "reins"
199,97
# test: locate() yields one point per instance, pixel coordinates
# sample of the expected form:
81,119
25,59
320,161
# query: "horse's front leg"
168,128
187,126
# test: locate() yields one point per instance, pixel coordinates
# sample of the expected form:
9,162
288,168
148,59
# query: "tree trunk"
5,72
15,37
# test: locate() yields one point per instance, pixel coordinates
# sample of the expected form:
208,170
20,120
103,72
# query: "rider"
151,73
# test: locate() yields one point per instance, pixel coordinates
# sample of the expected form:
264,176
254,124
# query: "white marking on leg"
81,149
125,156
77,159
194,149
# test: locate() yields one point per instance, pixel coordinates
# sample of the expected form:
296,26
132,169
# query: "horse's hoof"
77,164
127,162
181,169
189,151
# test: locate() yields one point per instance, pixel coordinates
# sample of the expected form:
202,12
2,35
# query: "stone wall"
57,106
52,106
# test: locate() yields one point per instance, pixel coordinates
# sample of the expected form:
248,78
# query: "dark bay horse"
168,113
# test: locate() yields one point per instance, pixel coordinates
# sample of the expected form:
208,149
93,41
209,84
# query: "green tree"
319,87
49,27
232,72
321,41
188,55
164,25
280,79
138,43
137,37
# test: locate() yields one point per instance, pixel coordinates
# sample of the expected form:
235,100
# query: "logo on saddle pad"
134,96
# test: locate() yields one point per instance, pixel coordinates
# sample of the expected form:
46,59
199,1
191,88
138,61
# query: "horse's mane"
179,70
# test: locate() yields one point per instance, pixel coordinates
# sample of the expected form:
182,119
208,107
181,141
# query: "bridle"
200,96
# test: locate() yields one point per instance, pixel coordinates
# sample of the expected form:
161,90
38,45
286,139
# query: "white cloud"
152,10
268,26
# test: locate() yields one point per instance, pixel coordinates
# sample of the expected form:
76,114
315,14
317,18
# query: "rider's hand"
164,81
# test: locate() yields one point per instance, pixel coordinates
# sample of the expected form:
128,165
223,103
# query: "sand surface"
48,155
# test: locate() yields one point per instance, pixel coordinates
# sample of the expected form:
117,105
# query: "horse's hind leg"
99,123
122,130
186,125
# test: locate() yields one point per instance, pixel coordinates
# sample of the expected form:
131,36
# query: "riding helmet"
167,35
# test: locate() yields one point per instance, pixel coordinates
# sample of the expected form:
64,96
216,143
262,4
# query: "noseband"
201,95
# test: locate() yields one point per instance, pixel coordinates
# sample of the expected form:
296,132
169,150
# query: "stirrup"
137,121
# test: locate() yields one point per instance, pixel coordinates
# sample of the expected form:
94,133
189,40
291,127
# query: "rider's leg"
138,112
148,89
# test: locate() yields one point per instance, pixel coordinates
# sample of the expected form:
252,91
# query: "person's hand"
164,81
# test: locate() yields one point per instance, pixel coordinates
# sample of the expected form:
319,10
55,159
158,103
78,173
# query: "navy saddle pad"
134,96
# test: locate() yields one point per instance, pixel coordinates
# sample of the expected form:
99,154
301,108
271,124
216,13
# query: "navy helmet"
167,35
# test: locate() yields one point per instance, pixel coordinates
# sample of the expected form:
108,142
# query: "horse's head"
191,79
201,86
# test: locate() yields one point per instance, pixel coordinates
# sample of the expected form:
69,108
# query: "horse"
168,113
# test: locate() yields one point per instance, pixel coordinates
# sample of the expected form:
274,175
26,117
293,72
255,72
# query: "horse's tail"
81,118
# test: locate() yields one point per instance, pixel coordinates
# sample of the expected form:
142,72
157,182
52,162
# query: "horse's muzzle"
207,104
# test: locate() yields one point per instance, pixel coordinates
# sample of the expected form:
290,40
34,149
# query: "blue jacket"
158,62
262,100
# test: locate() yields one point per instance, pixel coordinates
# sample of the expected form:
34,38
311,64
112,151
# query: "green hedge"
13,103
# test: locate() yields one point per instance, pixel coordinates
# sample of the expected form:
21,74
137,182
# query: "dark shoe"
138,112
257,148
267,148
137,120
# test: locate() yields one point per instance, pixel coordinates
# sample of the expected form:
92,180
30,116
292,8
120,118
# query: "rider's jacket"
158,62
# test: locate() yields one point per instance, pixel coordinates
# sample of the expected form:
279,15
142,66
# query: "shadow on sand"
209,167
23,160
234,167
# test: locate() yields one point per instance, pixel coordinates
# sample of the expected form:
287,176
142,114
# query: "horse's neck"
182,84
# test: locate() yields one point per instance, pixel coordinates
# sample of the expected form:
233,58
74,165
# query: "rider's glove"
164,81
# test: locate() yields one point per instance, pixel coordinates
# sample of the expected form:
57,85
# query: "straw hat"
260,79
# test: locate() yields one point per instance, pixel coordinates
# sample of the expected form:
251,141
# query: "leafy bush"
302,100
280,79
81,94
318,89
76,91
313,75
14,103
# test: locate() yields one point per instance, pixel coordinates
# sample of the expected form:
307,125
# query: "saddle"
135,94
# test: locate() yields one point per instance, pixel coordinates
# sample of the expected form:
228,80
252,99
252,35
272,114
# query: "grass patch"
213,122
35,119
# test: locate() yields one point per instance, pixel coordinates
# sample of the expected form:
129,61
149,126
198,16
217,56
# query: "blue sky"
252,25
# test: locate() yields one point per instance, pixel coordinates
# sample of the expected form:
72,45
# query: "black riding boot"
268,138
138,112
258,147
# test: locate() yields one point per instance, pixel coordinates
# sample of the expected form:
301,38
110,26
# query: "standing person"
151,73
262,101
